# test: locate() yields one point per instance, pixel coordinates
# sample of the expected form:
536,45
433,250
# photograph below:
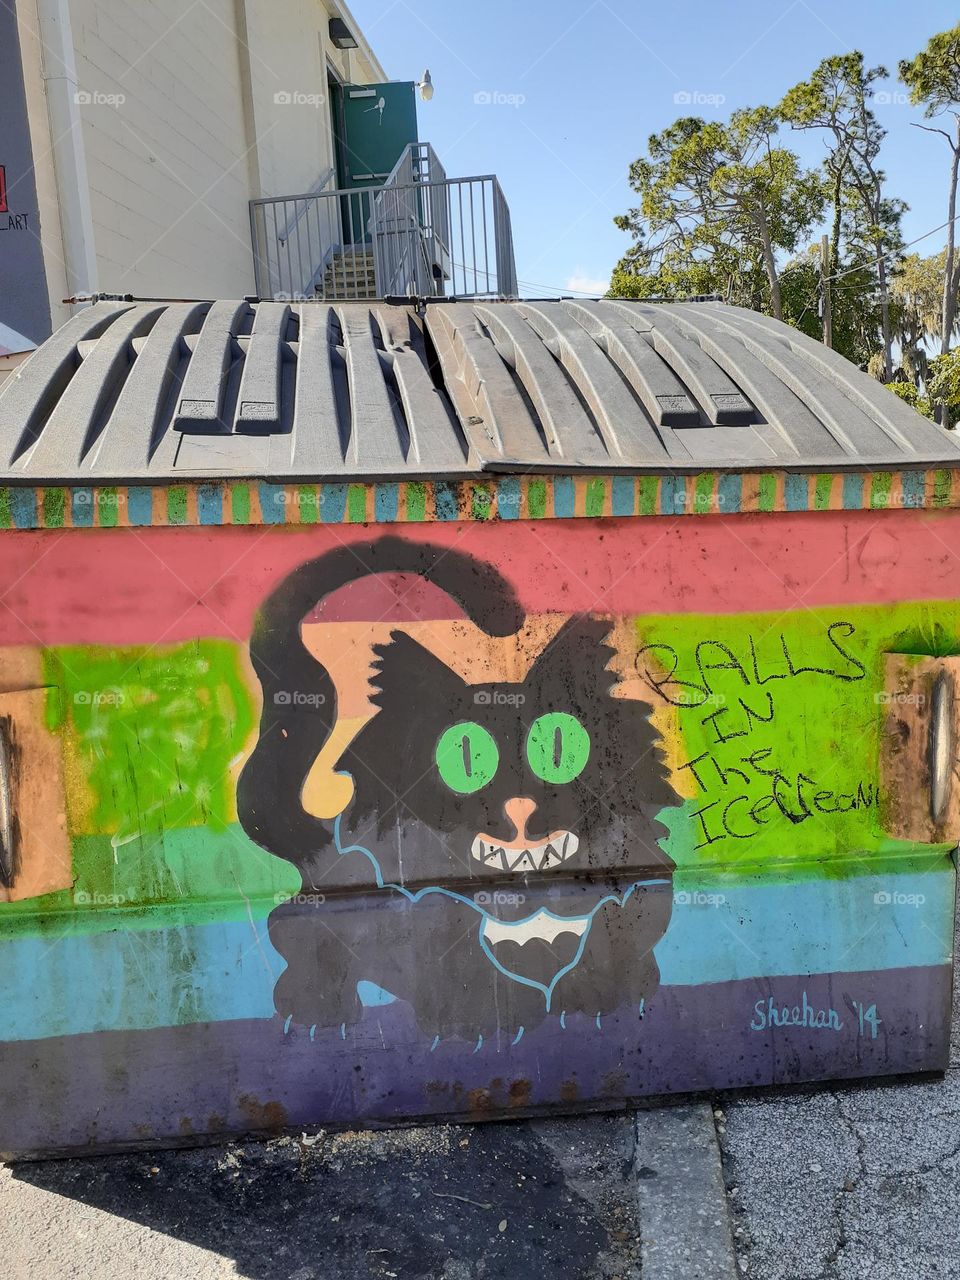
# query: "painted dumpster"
462,712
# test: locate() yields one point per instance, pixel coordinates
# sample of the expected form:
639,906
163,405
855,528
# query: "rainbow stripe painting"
460,802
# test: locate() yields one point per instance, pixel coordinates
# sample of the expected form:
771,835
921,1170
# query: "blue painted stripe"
81,508
795,492
66,983
673,495
210,503
914,486
445,501
623,496
508,497
386,502
273,503
333,502
811,926
140,505
564,497
23,507
729,493
852,492
97,986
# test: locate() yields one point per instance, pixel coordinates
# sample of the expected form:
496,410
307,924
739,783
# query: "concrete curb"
683,1203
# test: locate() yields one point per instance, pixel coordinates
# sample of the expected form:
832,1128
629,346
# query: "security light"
341,35
425,87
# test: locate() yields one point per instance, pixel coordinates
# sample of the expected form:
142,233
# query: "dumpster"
464,710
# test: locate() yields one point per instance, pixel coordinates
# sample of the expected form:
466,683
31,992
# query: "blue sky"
577,88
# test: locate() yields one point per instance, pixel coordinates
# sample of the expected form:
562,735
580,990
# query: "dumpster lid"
174,390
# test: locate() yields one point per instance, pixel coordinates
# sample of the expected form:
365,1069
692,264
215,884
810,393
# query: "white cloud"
582,282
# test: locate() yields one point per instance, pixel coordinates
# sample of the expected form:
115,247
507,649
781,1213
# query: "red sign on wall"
3,189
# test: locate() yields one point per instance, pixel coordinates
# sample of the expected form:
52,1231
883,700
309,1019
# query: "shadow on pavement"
532,1199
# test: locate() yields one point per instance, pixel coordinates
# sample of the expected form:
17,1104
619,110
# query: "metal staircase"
350,273
418,234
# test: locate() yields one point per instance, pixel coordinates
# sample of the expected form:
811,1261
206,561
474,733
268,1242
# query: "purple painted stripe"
116,1087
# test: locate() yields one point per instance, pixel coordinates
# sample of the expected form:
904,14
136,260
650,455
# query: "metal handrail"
419,233
317,190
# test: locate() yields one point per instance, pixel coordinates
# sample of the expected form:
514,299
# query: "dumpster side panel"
463,820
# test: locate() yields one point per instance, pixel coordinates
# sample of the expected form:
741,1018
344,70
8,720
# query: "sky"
557,97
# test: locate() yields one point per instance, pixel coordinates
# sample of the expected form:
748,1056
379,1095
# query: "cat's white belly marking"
542,925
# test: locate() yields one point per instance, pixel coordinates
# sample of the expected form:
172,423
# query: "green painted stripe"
356,503
54,508
108,507
880,489
481,501
240,504
6,518
416,501
308,504
537,499
941,488
177,505
595,496
648,495
767,494
821,493
703,494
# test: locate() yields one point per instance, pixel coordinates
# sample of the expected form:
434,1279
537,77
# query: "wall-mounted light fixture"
341,35
425,87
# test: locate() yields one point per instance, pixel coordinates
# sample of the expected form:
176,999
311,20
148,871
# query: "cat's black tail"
299,696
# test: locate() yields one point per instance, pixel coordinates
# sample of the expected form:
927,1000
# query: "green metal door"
378,121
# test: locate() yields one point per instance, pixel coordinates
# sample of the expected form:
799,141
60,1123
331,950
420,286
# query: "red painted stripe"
163,585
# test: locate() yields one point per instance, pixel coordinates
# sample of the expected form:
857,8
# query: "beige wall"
181,126
41,143
289,59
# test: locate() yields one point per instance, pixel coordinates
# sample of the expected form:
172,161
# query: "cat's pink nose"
519,810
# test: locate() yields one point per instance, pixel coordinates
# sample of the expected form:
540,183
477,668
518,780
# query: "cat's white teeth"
538,857
550,858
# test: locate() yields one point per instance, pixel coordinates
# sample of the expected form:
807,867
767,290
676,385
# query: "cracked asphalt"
858,1183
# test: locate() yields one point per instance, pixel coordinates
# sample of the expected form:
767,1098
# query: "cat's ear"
576,658
405,672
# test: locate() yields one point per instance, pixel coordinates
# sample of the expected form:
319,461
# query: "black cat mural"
499,861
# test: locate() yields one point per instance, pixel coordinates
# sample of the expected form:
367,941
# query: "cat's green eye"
467,757
558,747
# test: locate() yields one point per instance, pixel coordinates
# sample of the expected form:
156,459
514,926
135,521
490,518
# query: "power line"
553,288
894,253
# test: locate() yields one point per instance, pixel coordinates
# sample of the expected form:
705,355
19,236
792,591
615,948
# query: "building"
227,148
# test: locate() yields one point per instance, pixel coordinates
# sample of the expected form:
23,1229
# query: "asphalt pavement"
859,1183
